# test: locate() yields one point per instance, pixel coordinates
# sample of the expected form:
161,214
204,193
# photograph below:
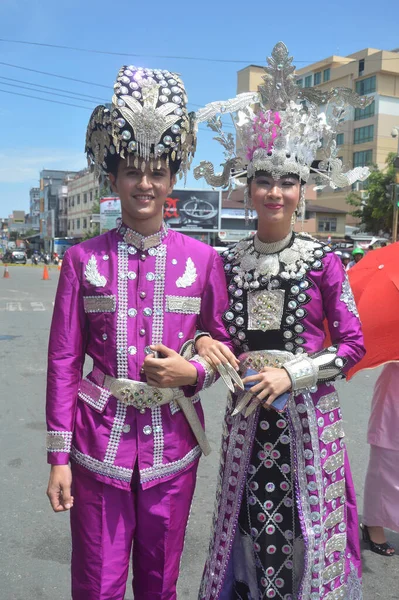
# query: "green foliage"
376,212
92,232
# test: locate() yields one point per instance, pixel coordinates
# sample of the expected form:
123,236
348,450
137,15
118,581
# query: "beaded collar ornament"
148,120
284,132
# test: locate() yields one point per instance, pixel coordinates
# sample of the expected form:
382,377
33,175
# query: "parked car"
17,255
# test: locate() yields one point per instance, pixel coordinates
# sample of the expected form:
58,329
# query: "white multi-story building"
83,192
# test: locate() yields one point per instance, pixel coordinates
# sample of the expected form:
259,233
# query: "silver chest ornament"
92,274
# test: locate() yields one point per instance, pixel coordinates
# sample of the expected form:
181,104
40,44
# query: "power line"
220,60
55,75
44,99
24,87
71,79
17,82
137,55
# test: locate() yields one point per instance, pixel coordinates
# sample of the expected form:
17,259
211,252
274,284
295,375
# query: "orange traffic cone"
46,276
6,273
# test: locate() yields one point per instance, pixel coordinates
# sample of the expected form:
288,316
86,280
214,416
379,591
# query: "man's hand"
59,488
168,372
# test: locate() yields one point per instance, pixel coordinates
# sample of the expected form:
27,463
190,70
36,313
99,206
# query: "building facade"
83,194
50,183
365,136
34,207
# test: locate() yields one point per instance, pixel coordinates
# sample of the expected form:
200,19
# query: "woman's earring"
249,215
293,219
302,202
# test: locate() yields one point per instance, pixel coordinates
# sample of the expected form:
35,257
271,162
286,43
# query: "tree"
94,227
376,212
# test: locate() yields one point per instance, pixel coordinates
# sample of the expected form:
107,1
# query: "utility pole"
395,189
395,199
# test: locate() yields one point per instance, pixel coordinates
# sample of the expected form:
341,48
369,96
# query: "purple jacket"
117,294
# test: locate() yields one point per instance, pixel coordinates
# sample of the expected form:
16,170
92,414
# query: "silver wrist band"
302,371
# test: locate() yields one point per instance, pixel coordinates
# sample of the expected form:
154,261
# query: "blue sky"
36,134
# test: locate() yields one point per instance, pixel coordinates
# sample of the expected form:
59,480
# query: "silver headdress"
148,120
284,132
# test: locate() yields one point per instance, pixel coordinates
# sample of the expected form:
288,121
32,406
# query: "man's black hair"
114,159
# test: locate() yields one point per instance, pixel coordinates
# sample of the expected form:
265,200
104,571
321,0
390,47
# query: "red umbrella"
375,284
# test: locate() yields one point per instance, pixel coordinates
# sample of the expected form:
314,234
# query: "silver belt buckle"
257,359
139,395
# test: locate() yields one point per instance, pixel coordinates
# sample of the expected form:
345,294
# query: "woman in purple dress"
285,524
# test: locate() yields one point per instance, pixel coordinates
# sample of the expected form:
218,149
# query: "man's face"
357,257
142,194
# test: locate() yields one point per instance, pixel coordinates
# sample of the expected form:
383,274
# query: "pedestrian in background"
381,491
357,254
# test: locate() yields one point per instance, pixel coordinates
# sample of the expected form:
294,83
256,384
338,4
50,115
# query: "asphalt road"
34,542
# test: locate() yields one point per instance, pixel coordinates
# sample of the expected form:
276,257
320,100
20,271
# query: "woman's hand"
215,353
270,383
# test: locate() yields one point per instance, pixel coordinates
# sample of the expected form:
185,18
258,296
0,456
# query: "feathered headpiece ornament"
284,130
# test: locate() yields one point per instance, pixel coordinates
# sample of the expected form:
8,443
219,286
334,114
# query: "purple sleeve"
66,354
341,314
214,303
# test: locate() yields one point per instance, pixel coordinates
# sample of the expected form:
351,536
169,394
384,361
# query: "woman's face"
275,200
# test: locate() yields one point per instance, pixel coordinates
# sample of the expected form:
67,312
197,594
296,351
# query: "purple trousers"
107,522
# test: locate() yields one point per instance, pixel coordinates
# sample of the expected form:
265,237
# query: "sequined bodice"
268,291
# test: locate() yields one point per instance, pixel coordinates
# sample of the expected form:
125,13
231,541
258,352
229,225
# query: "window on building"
69,224
91,196
366,86
85,198
299,83
365,113
317,78
362,159
326,74
85,223
69,202
361,67
308,81
309,215
327,224
78,199
363,134
77,223
340,139
73,224
73,201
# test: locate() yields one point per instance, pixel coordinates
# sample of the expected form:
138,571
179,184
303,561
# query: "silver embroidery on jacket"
333,432
92,274
265,309
336,543
59,441
328,402
333,463
189,276
335,490
183,304
348,298
98,304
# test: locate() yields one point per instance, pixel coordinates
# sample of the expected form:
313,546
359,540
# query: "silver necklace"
271,247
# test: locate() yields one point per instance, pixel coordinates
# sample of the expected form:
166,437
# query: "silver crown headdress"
284,133
148,120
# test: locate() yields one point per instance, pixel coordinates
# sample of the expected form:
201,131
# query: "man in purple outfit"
132,299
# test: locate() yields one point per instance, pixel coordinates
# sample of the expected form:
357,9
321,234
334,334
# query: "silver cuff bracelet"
302,371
